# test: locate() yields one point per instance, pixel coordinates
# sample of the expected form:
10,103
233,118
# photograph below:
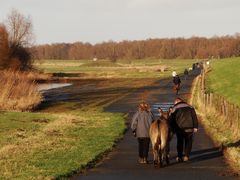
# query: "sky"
95,21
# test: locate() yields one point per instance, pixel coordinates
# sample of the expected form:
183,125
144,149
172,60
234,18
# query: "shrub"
18,92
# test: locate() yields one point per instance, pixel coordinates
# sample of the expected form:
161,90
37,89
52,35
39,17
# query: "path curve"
207,161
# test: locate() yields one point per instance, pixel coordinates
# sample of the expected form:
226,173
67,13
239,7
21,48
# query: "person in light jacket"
140,126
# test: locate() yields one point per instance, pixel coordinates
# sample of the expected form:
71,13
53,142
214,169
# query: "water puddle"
48,86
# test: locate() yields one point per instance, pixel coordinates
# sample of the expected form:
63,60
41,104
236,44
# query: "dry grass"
18,92
36,75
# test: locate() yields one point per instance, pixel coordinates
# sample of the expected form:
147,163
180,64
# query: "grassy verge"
215,126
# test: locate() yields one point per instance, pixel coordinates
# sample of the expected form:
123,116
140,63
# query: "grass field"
147,68
45,146
224,79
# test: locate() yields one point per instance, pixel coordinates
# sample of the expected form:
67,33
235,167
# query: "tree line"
195,47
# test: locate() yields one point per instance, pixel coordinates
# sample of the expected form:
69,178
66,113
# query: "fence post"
238,122
210,99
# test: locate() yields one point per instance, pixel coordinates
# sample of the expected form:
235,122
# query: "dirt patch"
54,133
41,120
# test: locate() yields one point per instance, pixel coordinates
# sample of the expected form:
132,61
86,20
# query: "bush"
18,91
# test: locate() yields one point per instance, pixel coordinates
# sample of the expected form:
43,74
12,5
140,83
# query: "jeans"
143,147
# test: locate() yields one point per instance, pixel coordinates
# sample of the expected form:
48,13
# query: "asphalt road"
206,162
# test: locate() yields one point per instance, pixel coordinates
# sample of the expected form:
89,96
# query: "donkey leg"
167,153
154,157
167,159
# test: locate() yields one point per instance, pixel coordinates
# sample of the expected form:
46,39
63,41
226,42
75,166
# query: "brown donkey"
160,137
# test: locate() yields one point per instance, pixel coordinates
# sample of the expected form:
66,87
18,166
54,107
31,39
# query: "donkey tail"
158,142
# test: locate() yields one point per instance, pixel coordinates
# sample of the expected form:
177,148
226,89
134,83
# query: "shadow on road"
235,144
210,155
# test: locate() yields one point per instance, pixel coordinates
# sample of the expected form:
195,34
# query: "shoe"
140,160
178,159
185,158
145,161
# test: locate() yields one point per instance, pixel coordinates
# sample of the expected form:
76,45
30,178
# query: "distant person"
183,122
174,73
193,66
185,74
140,126
198,65
176,83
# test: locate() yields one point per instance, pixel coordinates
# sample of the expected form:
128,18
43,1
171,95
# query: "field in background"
224,79
147,68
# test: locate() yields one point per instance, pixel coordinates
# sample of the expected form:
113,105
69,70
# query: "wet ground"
47,86
207,161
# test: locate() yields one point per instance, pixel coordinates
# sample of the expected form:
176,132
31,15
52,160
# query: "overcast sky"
103,20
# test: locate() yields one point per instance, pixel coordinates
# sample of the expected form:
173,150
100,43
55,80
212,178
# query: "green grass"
15,126
224,79
146,68
59,146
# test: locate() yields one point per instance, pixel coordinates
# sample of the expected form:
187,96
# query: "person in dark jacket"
176,83
185,74
183,122
140,126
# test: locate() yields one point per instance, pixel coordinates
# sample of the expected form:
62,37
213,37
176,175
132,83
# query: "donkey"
160,137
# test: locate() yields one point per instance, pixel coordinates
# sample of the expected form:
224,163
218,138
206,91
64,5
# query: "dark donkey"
160,136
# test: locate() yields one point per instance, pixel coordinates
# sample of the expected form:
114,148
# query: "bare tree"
20,29
20,32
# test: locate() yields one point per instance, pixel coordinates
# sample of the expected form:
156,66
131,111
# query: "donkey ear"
160,110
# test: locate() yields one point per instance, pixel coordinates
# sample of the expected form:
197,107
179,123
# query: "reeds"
18,92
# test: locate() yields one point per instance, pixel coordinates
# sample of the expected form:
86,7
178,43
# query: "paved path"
206,162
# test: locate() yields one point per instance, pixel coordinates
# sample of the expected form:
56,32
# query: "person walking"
174,73
183,121
185,74
140,126
176,82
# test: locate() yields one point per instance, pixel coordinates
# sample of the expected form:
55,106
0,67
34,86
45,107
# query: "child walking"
140,126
